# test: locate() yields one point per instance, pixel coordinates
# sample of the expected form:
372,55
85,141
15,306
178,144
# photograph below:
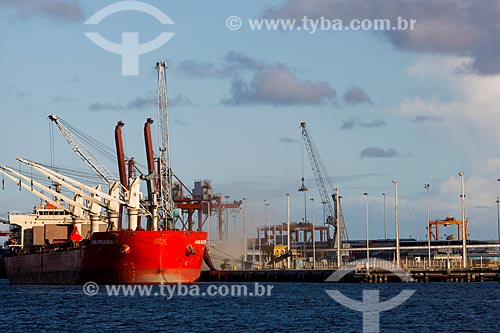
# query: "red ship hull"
118,257
144,257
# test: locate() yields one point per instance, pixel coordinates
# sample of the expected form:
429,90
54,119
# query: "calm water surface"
292,307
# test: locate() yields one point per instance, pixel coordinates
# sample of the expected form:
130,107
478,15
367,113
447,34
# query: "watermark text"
313,25
170,291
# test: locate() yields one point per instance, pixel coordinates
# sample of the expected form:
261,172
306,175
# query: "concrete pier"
358,276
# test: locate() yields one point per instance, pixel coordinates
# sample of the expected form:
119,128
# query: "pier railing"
442,263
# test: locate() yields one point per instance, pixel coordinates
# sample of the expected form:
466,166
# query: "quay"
353,276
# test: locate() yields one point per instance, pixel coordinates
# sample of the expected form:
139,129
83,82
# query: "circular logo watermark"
371,306
90,288
233,22
377,264
130,48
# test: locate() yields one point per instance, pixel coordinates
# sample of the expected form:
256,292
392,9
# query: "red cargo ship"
49,247
120,257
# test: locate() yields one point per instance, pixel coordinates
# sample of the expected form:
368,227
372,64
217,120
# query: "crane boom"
57,177
39,194
325,187
166,200
83,152
60,196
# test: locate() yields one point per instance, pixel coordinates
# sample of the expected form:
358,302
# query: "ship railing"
20,213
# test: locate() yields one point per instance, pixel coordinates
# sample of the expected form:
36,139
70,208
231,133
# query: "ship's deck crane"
325,188
111,201
96,199
82,151
6,171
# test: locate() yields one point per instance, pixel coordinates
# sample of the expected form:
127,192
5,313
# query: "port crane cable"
51,138
76,173
71,134
96,145
80,140
83,152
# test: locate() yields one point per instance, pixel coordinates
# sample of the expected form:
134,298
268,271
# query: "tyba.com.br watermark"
170,291
313,25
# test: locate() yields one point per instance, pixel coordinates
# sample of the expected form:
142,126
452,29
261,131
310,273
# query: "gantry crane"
326,189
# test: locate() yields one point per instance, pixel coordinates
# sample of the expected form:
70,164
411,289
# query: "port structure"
447,222
166,206
274,243
329,195
202,200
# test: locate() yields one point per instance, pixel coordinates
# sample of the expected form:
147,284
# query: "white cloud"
453,27
278,85
473,109
469,105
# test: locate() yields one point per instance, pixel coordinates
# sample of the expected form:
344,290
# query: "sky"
417,105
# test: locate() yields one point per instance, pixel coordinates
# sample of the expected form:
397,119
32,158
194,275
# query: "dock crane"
166,206
326,190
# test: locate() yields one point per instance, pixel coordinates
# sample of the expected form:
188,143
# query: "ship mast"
166,200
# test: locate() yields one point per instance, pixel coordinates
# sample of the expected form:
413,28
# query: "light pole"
385,225
464,244
498,218
209,214
259,244
288,230
498,215
395,182
313,239
226,220
259,231
304,189
427,187
337,209
273,223
245,242
235,228
266,232
367,236
324,211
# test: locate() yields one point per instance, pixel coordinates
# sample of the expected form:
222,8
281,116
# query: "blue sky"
418,106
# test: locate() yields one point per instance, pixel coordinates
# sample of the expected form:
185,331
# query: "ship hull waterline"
116,257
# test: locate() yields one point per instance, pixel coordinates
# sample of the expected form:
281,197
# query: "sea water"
289,307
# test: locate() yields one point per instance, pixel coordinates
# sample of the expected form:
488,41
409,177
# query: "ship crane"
326,190
77,208
4,170
82,151
111,201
